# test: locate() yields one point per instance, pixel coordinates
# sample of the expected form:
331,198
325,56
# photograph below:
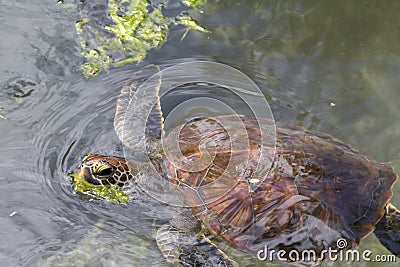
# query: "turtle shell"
313,191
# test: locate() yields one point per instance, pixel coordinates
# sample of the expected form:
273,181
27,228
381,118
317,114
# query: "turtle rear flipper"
185,249
388,229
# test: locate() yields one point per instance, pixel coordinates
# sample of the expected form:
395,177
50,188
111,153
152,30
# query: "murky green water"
330,66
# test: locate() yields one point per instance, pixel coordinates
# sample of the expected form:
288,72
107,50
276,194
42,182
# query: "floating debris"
254,181
13,213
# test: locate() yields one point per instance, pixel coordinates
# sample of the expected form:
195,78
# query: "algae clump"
116,32
112,193
194,3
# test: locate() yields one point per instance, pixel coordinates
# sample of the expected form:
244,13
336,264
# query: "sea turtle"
316,190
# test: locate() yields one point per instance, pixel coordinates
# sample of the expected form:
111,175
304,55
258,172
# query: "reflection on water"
330,66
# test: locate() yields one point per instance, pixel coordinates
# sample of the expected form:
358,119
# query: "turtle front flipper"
388,229
138,116
185,249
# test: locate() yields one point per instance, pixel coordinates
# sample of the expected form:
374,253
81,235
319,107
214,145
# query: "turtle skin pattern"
105,170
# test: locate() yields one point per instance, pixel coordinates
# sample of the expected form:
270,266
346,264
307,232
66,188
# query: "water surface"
330,66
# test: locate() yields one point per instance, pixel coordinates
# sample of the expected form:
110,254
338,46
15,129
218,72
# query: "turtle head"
104,170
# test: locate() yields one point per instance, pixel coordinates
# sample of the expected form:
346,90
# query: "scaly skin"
104,170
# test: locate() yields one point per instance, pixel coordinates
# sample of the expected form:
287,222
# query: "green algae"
122,31
194,3
112,193
187,21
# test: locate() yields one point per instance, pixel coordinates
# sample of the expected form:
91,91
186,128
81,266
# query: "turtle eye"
104,171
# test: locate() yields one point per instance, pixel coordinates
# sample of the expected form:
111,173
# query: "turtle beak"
84,173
